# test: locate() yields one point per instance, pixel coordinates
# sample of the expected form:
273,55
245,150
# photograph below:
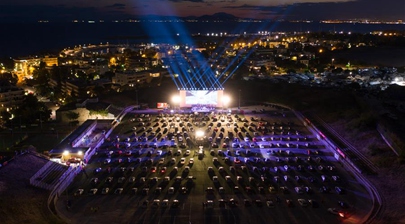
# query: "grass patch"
43,142
365,121
9,140
374,149
385,161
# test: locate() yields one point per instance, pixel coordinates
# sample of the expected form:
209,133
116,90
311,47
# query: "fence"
87,130
89,153
67,178
385,135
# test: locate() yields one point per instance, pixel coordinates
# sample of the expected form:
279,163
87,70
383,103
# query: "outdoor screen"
200,97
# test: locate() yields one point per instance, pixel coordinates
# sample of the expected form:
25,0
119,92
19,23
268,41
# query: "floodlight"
66,152
199,134
176,99
226,100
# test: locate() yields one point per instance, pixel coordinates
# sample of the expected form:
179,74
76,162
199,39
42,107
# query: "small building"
24,67
87,109
75,88
133,77
10,97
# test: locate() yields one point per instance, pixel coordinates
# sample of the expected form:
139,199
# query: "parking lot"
260,167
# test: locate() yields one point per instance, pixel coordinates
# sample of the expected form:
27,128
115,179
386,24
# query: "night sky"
261,9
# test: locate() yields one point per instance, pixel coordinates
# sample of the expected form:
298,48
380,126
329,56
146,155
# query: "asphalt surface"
268,158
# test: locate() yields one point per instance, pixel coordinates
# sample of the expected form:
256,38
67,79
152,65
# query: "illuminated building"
132,77
10,97
24,67
73,88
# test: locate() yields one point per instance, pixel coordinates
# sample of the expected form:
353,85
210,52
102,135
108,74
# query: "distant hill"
218,16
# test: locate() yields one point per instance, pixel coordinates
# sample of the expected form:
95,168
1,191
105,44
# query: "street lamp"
333,61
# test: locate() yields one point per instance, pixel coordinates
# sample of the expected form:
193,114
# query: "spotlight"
226,100
176,99
199,134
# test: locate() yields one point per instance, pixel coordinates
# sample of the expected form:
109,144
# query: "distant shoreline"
380,56
23,39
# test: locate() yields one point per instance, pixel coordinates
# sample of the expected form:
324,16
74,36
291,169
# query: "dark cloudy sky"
261,9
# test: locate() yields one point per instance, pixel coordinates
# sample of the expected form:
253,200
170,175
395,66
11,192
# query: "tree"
9,78
128,52
41,71
72,116
337,70
81,75
108,75
42,76
5,115
103,113
263,69
7,62
70,98
32,110
205,54
401,69
150,53
4,118
320,68
99,90
290,70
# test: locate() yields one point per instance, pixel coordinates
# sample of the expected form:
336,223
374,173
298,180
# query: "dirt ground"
20,202
390,180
